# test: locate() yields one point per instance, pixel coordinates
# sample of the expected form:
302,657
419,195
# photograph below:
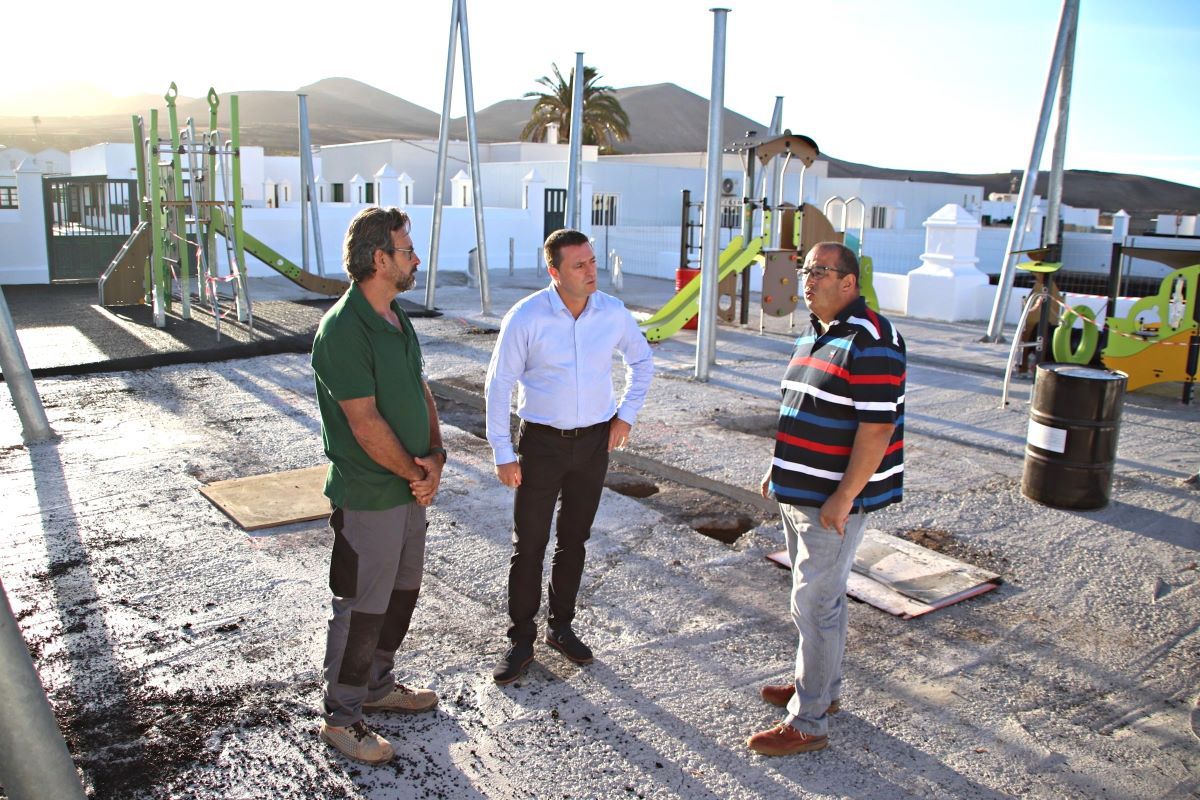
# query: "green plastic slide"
667,321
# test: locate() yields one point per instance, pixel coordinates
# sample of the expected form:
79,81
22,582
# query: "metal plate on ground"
277,498
905,579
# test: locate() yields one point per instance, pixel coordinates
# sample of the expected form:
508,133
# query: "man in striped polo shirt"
839,453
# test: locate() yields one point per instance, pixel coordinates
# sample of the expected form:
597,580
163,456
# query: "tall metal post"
300,98
239,241
1059,154
574,168
485,300
775,190
309,190
439,181
706,339
34,425
34,761
1016,237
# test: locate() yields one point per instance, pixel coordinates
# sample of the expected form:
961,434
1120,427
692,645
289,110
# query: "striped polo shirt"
853,372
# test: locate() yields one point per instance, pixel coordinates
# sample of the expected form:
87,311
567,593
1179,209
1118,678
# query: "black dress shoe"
513,663
567,643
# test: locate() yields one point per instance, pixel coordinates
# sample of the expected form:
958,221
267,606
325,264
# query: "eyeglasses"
412,251
817,273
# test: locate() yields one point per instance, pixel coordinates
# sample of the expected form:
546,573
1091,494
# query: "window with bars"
604,209
879,216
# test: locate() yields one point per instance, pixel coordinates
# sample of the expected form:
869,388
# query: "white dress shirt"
562,366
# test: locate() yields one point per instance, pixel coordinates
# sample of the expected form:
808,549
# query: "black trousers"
553,466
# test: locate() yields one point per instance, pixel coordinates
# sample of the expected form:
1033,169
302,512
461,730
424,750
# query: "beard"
406,282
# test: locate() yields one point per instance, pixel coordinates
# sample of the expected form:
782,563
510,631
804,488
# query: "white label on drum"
1047,438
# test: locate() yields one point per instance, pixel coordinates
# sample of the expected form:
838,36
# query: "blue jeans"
821,562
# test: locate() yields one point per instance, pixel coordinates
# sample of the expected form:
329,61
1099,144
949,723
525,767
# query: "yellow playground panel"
1161,350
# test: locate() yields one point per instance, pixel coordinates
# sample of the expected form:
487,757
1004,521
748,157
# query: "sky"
948,85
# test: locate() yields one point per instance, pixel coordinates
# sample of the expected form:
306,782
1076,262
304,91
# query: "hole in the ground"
725,529
756,424
630,485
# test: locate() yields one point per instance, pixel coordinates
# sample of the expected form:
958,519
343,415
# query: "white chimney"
551,133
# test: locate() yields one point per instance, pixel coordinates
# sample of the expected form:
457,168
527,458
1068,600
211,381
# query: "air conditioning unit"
727,186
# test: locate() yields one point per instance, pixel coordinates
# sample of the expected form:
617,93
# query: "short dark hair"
847,262
370,230
555,242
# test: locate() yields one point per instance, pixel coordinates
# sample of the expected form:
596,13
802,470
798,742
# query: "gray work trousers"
375,576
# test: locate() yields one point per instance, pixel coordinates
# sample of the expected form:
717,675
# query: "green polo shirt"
357,353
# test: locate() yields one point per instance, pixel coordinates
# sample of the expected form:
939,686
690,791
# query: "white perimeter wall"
279,228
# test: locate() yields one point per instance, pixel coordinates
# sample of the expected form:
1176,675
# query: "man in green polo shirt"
380,428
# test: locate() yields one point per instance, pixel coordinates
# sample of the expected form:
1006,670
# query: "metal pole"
34,761
1055,191
435,233
300,98
512,255
310,190
576,148
244,314
34,427
485,298
778,166
706,340
995,331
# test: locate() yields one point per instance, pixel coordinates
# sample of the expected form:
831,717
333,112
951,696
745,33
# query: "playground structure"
185,207
793,230
1156,341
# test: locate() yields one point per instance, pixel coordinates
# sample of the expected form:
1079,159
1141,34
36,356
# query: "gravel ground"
182,654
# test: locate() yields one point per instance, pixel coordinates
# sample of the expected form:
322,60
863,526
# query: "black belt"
569,433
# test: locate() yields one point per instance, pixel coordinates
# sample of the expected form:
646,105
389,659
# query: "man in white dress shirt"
556,347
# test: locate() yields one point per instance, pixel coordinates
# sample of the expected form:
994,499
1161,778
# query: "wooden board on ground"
908,580
277,498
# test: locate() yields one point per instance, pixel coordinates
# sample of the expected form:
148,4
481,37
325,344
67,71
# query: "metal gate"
556,211
87,221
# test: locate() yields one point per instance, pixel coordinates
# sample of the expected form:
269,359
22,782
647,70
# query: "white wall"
23,255
110,159
279,228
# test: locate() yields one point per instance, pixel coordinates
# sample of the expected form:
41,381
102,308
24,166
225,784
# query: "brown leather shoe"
778,694
784,740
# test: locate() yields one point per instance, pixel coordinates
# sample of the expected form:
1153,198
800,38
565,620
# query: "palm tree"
604,121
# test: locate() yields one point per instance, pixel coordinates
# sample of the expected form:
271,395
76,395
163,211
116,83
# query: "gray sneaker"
358,742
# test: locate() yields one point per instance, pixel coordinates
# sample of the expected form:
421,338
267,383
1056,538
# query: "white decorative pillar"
321,190
27,253
1120,226
460,190
945,286
898,217
269,193
533,194
406,190
387,182
358,189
